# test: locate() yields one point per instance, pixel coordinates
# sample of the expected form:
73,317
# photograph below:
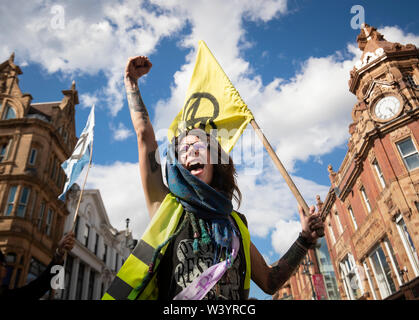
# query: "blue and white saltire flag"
74,165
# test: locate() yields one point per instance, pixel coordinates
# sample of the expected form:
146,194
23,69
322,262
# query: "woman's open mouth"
195,168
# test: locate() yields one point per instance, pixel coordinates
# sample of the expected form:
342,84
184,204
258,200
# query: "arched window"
4,150
10,113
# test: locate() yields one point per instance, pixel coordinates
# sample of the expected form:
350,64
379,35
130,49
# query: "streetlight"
306,270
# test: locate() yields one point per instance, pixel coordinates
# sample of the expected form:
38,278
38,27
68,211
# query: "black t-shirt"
180,267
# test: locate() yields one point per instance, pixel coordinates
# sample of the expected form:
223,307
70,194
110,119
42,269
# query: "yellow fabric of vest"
136,267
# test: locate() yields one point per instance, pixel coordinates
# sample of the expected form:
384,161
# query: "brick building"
371,211
35,138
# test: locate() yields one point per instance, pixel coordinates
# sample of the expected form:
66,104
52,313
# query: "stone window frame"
49,221
41,214
367,272
374,271
9,201
351,214
348,266
412,81
7,141
19,202
405,156
379,173
339,223
33,150
365,199
399,136
407,247
330,231
6,104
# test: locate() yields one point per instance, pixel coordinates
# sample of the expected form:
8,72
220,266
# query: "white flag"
74,165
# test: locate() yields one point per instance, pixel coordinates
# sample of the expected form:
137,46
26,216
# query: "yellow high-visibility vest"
161,227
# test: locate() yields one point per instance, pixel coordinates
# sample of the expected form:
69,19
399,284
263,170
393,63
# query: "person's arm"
35,289
271,278
148,154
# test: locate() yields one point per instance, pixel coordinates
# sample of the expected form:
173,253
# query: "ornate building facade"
35,138
99,251
371,212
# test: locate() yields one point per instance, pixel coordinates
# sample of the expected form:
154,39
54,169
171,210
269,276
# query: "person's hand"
135,68
66,244
312,224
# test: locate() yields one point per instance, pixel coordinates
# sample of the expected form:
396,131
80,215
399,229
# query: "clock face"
387,108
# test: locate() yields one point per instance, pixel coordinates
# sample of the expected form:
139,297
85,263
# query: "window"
366,201
368,274
4,150
409,154
10,113
96,243
91,285
76,228
23,202
35,270
35,196
54,167
382,273
332,235
86,235
67,279
80,277
350,277
408,244
41,215
105,253
50,216
32,156
11,200
351,213
339,223
393,260
379,173
411,81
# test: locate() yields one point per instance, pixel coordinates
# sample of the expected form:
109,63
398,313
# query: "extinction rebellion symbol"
191,109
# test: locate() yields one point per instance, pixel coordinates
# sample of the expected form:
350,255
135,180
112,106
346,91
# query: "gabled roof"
44,108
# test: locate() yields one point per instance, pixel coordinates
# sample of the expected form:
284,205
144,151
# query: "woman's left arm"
271,278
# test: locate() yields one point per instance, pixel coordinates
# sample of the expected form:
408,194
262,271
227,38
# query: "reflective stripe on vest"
136,267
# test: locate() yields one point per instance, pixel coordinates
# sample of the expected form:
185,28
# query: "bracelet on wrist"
305,242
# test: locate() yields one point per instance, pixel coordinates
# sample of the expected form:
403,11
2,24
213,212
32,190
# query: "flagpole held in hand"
282,170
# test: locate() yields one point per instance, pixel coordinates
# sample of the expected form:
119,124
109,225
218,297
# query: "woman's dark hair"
224,177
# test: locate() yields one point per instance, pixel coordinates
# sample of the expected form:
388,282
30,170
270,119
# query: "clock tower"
371,212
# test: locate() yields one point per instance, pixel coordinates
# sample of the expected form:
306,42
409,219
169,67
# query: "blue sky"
290,61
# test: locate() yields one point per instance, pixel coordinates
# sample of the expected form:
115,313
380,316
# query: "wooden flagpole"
282,169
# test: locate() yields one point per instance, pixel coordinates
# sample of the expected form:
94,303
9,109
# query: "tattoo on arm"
282,270
154,165
136,104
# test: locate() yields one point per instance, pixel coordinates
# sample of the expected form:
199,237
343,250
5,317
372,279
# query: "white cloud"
97,36
88,100
122,194
286,232
395,34
267,199
121,132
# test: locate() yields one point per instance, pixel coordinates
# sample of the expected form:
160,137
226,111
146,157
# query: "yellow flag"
212,103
